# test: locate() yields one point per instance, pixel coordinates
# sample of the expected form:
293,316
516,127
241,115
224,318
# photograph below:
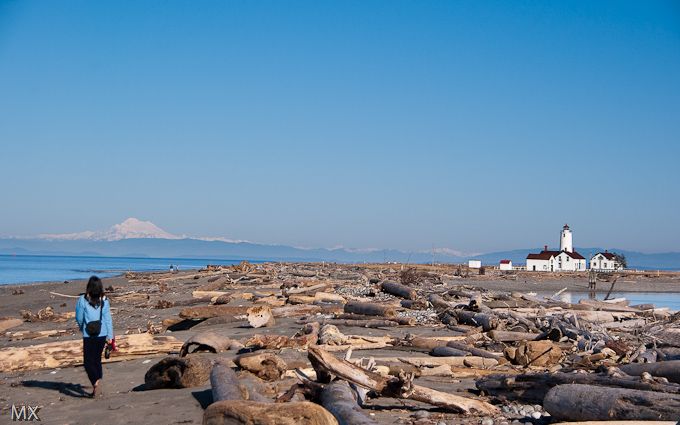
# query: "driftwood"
260,315
325,363
448,352
486,321
339,399
509,336
8,323
588,403
224,382
242,412
473,350
210,342
177,372
70,353
267,366
438,302
370,309
531,388
308,335
208,311
535,353
669,369
398,290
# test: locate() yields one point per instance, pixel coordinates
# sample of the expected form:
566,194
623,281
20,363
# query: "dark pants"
92,357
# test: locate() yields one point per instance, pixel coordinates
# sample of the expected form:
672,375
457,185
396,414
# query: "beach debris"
260,315
178,372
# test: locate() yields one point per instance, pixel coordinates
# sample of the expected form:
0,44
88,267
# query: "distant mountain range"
136,238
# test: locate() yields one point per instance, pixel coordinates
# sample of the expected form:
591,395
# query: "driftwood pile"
363,335
589,361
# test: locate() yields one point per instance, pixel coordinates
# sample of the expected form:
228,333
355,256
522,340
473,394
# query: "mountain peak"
135,228
131,228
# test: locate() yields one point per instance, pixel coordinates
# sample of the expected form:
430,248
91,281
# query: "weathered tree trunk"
370,309
398,290
338,398
208,311
587,403
325,362
531,388
509,336
242,412
669,369
473,350
70,353
448,352
224,383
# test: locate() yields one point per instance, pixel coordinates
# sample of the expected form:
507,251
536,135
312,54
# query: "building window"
604,265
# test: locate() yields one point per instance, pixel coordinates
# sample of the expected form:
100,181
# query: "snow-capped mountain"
131,228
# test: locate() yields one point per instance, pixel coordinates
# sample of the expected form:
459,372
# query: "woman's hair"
94,291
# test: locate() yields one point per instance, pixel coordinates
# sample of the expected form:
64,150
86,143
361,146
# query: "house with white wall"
505,265
605,261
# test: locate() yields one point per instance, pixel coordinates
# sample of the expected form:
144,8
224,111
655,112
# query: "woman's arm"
107,319
80,313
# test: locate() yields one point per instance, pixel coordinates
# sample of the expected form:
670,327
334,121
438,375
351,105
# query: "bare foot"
95,387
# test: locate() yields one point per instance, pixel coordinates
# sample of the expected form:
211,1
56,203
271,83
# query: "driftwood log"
370,309
587,403
339,399
70,353
267,366
260,315
326,364
669,369
208,342
178,372
531,388
398,290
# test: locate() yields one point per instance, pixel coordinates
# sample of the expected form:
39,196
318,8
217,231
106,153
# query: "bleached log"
267,366
243,412
8,323
509,336
70,353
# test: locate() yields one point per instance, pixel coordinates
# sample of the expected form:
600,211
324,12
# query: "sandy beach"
135,298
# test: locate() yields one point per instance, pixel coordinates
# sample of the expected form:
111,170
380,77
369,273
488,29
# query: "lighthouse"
565,239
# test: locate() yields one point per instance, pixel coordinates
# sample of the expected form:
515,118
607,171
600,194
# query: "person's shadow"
66,388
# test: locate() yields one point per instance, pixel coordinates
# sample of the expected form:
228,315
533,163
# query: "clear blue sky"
472,125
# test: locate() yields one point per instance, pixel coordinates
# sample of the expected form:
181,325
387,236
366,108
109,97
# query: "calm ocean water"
39,268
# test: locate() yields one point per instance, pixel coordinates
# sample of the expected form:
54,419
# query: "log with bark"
669,369
370,309
486,321
327,364
398,290
580,402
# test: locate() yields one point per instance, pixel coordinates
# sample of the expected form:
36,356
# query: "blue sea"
42,268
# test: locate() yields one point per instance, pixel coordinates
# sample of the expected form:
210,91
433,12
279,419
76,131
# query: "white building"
475,264
566,259
505,265
605,261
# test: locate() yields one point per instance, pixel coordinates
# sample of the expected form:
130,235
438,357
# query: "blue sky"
478,126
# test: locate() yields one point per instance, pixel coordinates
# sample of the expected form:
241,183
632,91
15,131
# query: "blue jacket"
85,314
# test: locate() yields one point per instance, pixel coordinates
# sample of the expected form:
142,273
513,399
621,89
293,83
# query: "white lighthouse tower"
565,239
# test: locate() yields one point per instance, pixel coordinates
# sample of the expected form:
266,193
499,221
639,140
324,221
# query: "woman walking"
93,314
